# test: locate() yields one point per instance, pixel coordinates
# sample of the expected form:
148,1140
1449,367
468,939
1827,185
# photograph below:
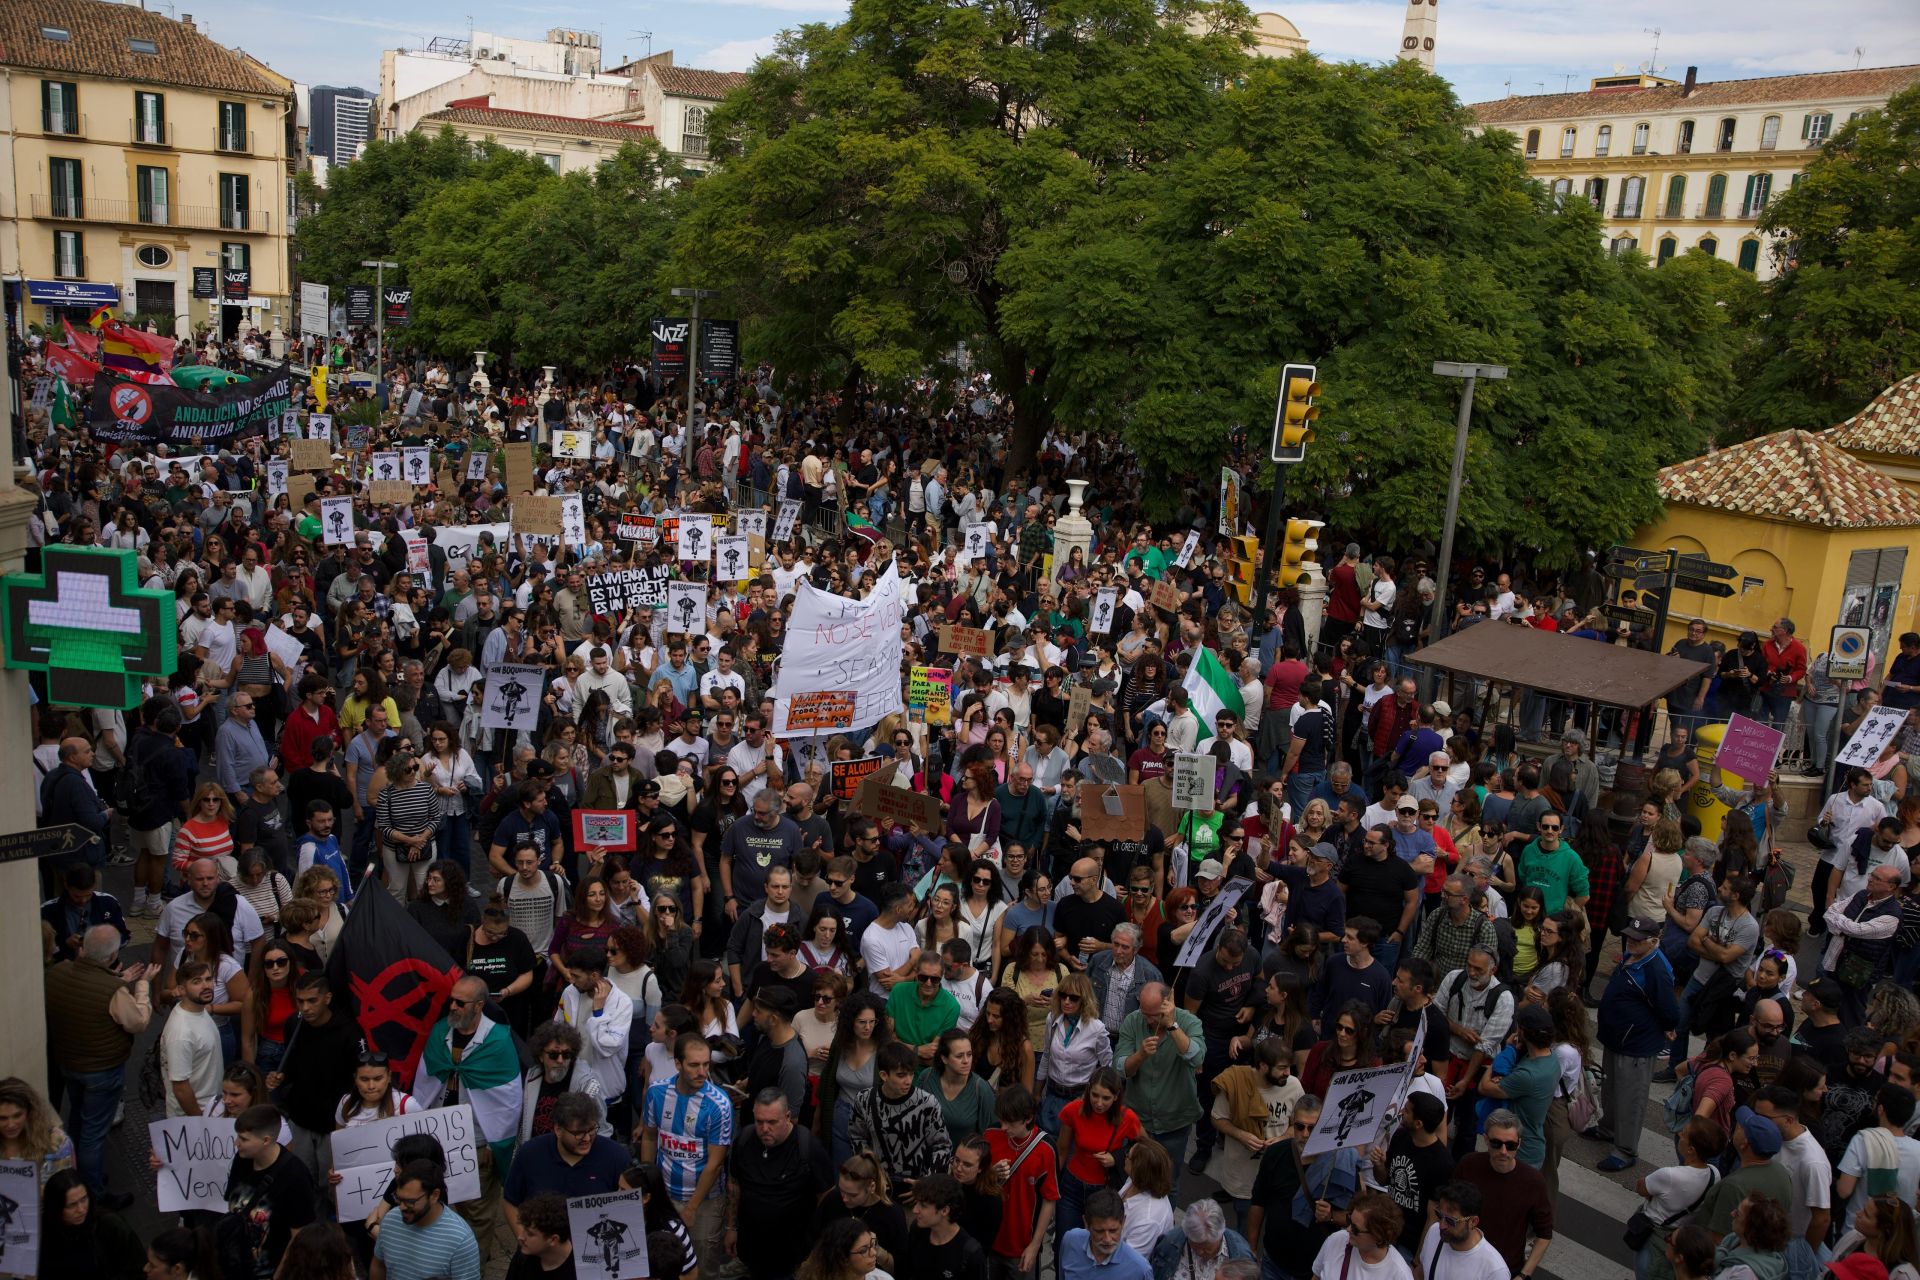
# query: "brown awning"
1553,663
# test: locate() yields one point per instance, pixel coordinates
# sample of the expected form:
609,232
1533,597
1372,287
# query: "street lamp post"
693,348
380,268
1472,373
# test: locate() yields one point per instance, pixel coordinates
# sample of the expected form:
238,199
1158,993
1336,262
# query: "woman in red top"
591,920
1351,1047
1095,1131
208,830
264,1029
1724,1078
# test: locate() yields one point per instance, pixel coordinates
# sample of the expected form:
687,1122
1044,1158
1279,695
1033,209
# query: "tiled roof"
98,45
533,122
692,82
1792,475
1823,86
1890,424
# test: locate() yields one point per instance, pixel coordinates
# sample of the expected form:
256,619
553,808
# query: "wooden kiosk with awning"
1577,669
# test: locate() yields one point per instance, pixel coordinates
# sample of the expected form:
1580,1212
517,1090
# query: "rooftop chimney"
186,20
1693,76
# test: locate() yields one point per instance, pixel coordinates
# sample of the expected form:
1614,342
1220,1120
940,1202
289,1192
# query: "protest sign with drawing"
1871,739
609,1236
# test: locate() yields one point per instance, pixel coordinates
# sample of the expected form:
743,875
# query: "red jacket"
1389,721
1786,664
297,739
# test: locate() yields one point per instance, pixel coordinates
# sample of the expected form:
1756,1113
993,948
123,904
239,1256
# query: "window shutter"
1806,125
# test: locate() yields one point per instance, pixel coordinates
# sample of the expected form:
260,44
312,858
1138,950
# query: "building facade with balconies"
146,168
1685,166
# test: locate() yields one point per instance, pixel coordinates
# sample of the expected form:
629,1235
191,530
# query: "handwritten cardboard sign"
1193,777
195,1153
1098,822
821,712
394,492
541,516
1165,596
363,1155
1748,749
968,642
880,800
849,774
518,460
312,455
1079,702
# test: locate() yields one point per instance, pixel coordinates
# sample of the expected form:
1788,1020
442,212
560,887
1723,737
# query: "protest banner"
849,774
686,606
1165,596
820,712
1211,921
788,517
1357,1107
1106,603
311,455
20,1212
930,695
1193,781
1748,749
609,830
609,1236
144,413
836,643
696,538
278,470
513,697
363,1156
1881,727
623,590
416,465
195,1153
731,563
336,522
966,642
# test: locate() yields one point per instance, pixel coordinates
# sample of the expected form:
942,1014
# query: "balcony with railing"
693,144
63,124
150,133
239,141
151,213
1674,209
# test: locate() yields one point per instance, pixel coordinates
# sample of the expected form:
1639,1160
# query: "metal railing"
160,134
232,140
63,125
151,213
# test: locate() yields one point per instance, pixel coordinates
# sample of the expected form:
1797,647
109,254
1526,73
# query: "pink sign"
1749,749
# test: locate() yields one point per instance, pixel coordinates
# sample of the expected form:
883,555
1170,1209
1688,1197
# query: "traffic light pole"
1263,575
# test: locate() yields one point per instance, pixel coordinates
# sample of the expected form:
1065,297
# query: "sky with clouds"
1487,48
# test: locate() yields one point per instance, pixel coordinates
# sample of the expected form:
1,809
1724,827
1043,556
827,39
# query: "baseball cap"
1763,1135
1325,852
1442,708
647,787
1639,928
1533,1017
1211,869
187,699
1407,805
1826,991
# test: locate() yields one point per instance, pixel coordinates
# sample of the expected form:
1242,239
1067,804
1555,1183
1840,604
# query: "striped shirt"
446,1250
686,1125
408,810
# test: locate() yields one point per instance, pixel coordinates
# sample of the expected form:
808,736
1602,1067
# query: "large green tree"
1348,215
1841,321
353,218
873,174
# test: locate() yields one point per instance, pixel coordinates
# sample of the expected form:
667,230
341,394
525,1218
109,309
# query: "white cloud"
734,55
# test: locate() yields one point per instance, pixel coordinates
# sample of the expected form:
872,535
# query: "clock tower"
1416,38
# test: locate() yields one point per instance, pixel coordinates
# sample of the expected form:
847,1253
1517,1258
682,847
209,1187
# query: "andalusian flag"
1211,689
319,381
63,414
488,1073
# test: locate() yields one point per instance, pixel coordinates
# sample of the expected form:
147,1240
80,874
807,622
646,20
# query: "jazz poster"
513,697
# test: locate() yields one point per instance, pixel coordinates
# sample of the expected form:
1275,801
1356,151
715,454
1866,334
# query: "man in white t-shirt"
1456,1231
889,946
190,1045
1801,1155
203,883
1884,1145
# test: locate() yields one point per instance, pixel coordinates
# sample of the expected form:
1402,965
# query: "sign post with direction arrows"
44,842
1659,574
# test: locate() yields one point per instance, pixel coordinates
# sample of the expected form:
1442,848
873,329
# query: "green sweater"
1163,1092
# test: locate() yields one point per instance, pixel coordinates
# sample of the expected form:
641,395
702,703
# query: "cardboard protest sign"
539,516
569,442
517,458
1116,812
1357,1107
477,464
750,522
978,539
418,559
880,800
363,1156
1193,778
195,1153
930,695
573,520
849,774
624,590
788,517
320,427
820,711
311,455
1165,596
1079,702
966,642
396,493
1748,749
612,830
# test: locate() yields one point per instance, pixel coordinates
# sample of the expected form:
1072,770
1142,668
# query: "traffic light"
1244,562
1293,418
1298,551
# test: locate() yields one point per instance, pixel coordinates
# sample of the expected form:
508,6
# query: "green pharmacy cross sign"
86,622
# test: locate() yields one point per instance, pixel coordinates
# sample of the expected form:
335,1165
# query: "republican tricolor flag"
131,350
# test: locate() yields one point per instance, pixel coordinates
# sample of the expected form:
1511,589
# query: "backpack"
1679,1105
1495,990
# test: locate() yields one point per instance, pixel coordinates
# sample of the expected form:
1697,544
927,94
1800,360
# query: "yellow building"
1887,432
145,166
1815,535
1678,167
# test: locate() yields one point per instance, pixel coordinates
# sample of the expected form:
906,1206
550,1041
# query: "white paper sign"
513,697
477,465
1193,776
836,642
273,429
417,462
1187,549
571,443
1358,1104
609,1236
386,465
979,537
1880,727
417,557
686,607
461,542
195,1153
730,552
696,538
19,1217
1200,941
363,1156
282,645
319,426
290,423
336,522
789,516
753,522
277,471
573,520
1106,602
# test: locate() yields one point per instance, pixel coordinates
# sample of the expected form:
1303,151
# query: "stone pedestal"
1072,529
1313,602
277,343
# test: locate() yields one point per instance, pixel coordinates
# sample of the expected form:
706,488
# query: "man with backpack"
1637,1010
1479,1011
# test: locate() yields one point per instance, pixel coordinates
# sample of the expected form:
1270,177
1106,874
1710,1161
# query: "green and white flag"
1211,689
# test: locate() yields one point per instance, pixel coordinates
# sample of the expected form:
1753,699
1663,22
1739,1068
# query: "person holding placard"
424,1241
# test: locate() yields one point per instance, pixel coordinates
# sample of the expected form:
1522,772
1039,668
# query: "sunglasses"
277,962
1503,1144
666,910
558,1055
986,880
1548,831
372,1058
928,979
